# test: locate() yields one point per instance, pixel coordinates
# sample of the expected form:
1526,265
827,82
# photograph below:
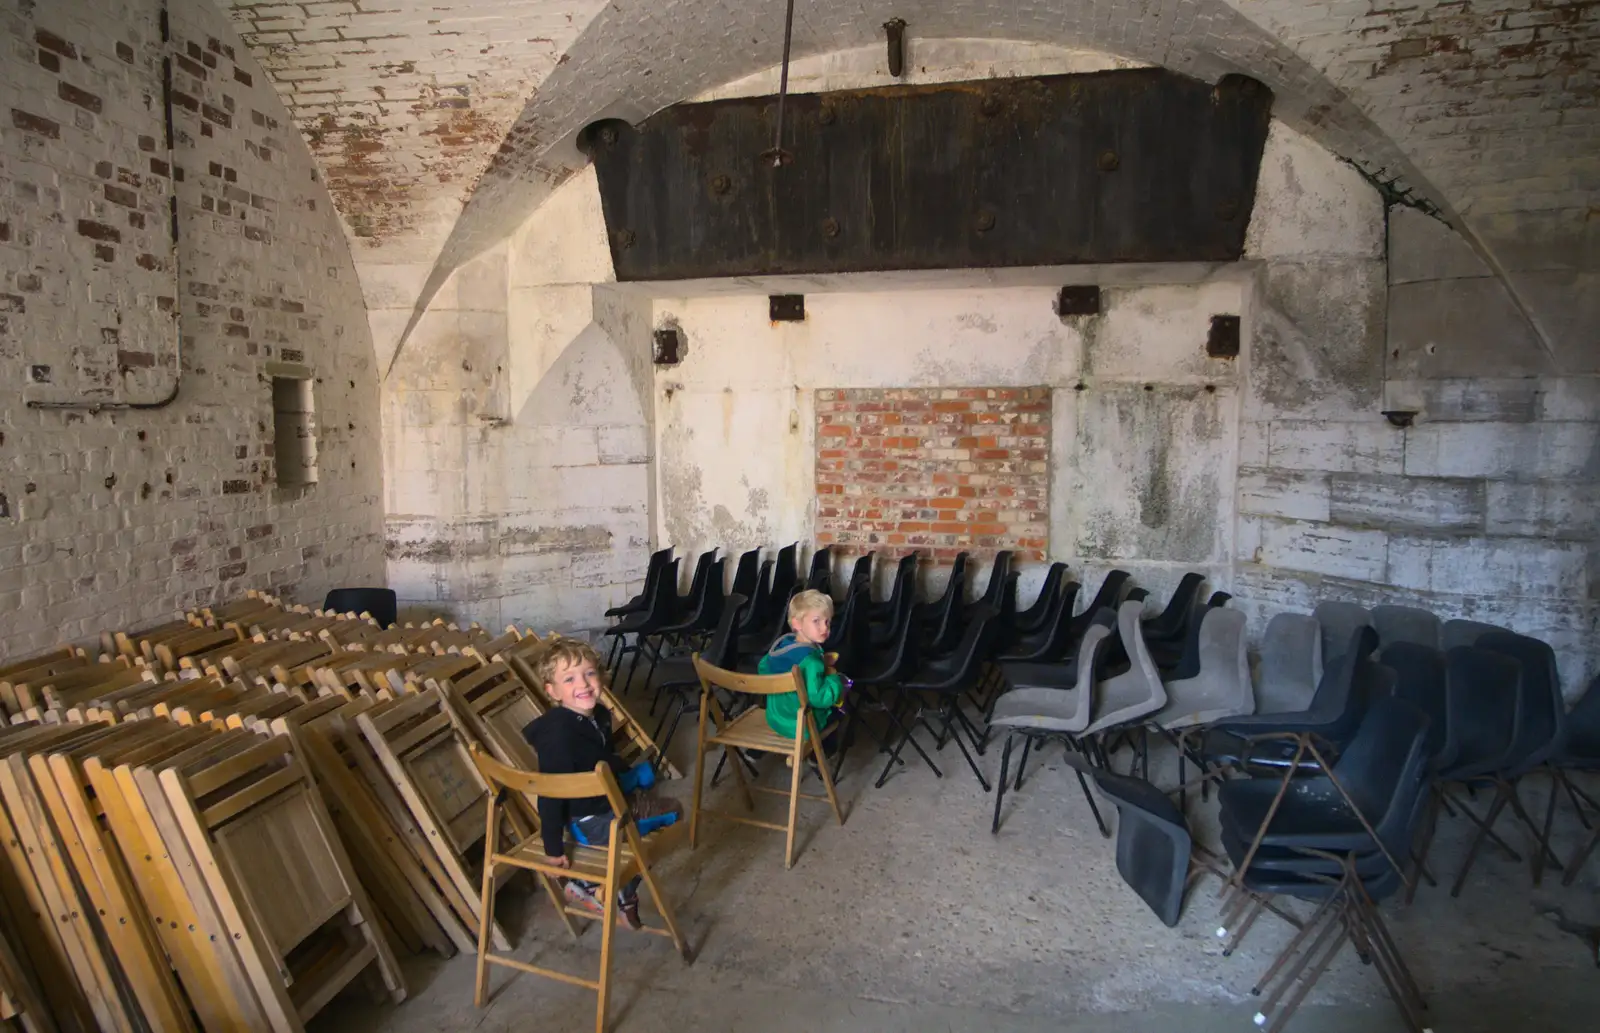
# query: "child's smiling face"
575,686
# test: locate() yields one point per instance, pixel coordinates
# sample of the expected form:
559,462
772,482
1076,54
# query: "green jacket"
822,689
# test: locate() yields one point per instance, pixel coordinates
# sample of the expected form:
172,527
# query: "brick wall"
120,516
940,470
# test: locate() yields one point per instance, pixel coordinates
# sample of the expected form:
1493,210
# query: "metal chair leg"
1484,829
1027,747
1005,760
1094,808
953,732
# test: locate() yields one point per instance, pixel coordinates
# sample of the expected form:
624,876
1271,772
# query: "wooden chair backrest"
753,684
415,735
578,786
496,706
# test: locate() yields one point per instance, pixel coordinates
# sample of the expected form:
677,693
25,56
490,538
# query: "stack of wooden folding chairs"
220,822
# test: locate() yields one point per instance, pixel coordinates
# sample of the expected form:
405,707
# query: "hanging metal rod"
777,157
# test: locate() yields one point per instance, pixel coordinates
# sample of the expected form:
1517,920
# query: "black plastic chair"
757,614
1154,848
1581,752
938,687
820,578
861,575
847,635
684,604
652,571
1113,590
1541,735
1370,791
1419,679
381,603
879,668
1172,623
1274,740
1346,889
1338,843
942,625
683,635
994,589
786,570
1023,622
1178,657
955,587
747,575
905,583
889,621
1483,708
678,680
660,611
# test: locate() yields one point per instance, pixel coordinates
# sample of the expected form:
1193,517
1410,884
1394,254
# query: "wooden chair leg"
739,775
822,765
797,770
699,773
608,924
661,904
480,988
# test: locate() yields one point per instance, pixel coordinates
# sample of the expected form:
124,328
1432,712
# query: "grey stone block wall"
1487,506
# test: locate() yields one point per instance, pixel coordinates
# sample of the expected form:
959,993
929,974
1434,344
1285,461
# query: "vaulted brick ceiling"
441,124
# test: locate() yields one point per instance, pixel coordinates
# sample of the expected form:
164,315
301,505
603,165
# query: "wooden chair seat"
589,862
750,731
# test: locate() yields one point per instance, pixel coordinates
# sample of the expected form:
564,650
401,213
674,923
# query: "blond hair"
810,601
559,650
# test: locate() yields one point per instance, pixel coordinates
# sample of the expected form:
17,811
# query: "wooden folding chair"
342,761
426,755
40,862
82,822
496,706
266,848
625,855
749,731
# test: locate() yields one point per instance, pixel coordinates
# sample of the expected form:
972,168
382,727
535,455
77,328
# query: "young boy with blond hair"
810,613
573,737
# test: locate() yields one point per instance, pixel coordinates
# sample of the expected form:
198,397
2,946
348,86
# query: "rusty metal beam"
1141,165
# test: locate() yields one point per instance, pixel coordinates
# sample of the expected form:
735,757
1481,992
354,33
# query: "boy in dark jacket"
810,613
572,738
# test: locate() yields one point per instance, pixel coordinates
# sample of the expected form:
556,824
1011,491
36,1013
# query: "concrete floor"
913,917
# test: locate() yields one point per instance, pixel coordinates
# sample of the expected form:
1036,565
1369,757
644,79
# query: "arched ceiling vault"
441,124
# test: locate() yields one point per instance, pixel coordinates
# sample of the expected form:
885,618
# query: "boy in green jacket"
809,615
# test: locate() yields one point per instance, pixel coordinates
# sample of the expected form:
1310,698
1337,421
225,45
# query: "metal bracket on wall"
894,31
1078,301
786,308
1223,340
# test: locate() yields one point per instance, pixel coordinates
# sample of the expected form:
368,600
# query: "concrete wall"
1483,509
735,429
516,442
116,518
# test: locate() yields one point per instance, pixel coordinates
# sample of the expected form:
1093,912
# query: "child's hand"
559,862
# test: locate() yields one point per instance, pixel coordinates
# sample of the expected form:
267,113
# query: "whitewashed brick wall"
116,518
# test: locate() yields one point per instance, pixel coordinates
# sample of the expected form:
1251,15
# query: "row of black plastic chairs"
920,662
1347,793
